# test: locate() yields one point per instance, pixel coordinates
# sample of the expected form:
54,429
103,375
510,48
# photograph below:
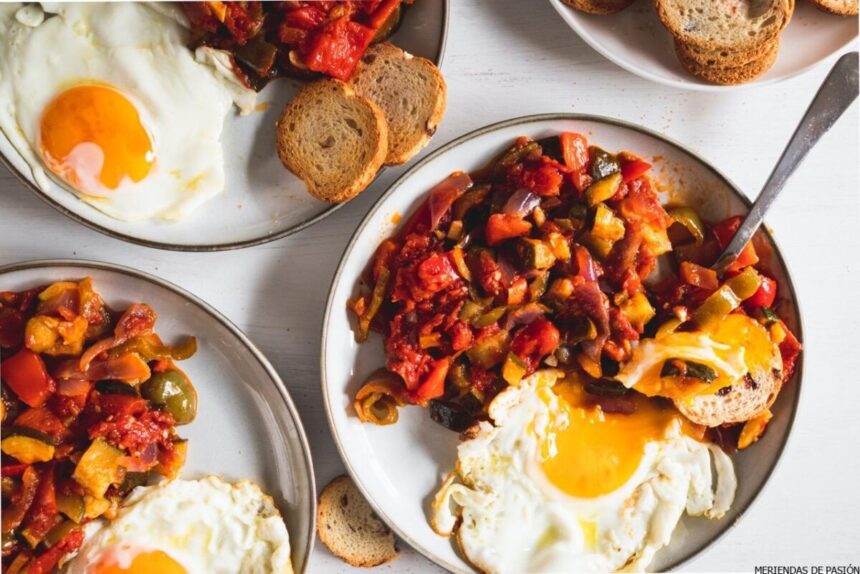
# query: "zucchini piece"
535,254
606,388
59,532
578,211
689,369
489,351
603,163
132,480
27,449
607,225
638,310
514,370
490,317
18,430
98,467
72,506
95,507
603,189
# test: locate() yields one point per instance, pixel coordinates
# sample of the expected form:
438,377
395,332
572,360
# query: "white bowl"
399,467
636,40
247,426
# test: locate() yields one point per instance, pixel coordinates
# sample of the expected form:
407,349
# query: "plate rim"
212,247
234,330
797,377
563,11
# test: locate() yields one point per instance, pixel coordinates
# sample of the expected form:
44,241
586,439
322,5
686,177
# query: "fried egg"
189,526
108,100
556,484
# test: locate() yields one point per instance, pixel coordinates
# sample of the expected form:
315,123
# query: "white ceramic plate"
636,40
262,201
399,467
247,426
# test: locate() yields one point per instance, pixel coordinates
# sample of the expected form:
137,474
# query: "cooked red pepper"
47,561
699,276
501,226
766,294
27,376
43,514
433,383
724,231
574,149
633,169
535,341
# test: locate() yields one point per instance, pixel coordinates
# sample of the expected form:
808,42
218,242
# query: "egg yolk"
142,563
598,451
92,137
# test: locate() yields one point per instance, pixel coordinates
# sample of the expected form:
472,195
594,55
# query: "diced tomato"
47,561
574,149
724,231
434,274
27,376
699,276
433,383
544,179
305,17
501,226
535,341
633,169
766,294
120,405
337,46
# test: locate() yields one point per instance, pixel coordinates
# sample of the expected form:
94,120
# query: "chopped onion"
521,203
443,196
524,315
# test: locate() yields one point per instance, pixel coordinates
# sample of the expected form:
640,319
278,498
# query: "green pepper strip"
691,221
727,298
376,299
150,350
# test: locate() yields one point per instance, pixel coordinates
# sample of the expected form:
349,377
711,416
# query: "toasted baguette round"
725,24
411,93
599,7
742,402
841,7
722,58
332,139
729,75
348,527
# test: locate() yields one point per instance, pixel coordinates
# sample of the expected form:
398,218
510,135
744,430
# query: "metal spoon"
834,96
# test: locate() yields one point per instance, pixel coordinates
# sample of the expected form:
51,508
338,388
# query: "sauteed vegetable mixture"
550,256
270,39
91,399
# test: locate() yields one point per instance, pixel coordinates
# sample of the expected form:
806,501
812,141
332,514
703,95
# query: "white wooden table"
507,58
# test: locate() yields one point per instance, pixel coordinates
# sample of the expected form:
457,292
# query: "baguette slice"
411,93
725,24
332,139
730,75
348,527
599,7
722,58
743,401
841,7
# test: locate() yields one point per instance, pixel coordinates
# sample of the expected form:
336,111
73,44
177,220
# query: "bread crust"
722,58
291,145
333,501
782,9
599,7
844,8
730,75
402,146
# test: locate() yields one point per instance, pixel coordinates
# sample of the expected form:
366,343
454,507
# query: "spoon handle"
834,96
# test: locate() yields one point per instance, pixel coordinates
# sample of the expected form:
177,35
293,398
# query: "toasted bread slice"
332,139
411,93
722,58
841,7
729,75
742,402
348,527
727,24
599,7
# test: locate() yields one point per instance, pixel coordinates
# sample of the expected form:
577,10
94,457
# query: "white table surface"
507,58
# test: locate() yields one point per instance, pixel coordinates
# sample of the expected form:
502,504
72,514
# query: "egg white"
508,517
141,52
206,525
